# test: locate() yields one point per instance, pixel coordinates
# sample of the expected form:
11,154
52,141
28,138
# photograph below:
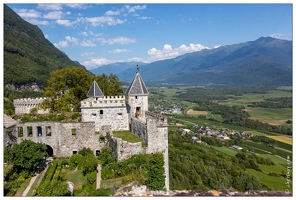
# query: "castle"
101,115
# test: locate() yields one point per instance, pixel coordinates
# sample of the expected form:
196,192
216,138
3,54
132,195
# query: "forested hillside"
28,55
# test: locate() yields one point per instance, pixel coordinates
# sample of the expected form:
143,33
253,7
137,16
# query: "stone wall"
105,111
24,106
63,138
125,150
139,129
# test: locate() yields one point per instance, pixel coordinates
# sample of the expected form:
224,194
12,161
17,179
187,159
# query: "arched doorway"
49,150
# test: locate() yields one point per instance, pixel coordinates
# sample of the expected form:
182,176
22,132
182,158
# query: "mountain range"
30,57
265,61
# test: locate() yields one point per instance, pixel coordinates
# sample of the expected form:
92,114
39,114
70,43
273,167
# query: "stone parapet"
107,101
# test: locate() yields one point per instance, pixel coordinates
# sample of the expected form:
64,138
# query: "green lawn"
111,182
226,150
127,136
75,176
274,183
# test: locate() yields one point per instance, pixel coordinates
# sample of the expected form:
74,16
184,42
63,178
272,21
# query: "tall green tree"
67,87
110,85
27,155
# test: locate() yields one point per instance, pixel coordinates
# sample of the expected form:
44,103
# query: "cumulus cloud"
103,20
111,12
64,22
54,15
38,22
67,42
120,51
55,6
118,40
25,13
134,8
96,62
87,43
278,36
169,52
88,54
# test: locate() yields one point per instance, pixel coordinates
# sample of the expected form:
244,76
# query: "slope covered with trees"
28,55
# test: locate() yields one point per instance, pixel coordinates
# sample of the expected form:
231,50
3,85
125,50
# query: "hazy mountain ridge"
265,61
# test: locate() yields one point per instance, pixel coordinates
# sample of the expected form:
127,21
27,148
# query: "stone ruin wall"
24,106
60,136
125,150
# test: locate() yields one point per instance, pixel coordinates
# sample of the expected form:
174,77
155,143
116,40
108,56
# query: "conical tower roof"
137,87
95,90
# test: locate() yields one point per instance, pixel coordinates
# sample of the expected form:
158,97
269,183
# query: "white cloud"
87,43
61,44
118,40
72,40
46,36
78,5
67,42
111,12
168,52
55,6
88,54
54,15
217,46
278,36
134,8
120,51
64,22
102,20
96,62
25,13
84,33
144,17
38,22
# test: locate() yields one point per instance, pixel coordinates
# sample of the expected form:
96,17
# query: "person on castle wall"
137,113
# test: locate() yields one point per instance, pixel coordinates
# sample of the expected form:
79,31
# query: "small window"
39,131
20,131
94,115
98,152
74,152
73,131
48,130
136,97
30,131
101,112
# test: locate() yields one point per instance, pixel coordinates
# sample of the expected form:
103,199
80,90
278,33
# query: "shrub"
75,161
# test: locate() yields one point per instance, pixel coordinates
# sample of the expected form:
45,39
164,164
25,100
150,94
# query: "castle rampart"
24,106
106,101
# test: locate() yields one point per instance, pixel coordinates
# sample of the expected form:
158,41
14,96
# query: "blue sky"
98,34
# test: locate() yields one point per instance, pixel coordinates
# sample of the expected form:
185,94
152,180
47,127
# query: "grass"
23,187
76,177
127,136
283,139
111,182
226,150
272,182
272,168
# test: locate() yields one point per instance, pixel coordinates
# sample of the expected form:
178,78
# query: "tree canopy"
67,87
26,155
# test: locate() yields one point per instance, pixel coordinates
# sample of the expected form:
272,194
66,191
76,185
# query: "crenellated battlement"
106,101
159,119
28,102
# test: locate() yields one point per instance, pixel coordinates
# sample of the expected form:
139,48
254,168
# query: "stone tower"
108,112
137,98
